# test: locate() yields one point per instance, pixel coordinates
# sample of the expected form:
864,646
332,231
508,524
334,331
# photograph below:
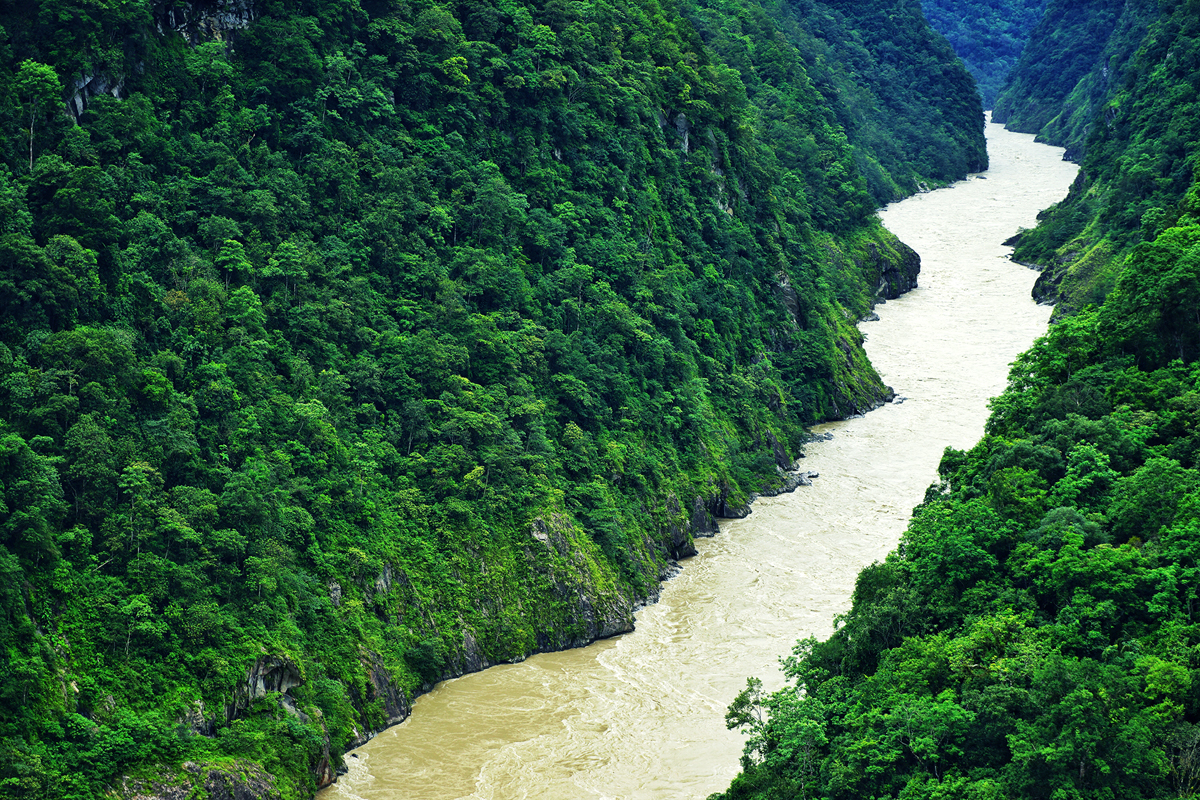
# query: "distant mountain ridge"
988,36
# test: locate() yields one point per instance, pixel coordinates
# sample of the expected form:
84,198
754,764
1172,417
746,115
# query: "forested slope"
988,35
348,346
904,99
1073,63
1141,159
1034,635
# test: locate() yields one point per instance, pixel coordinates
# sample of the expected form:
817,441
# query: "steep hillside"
1074,62
894,89
1034,634
908,106
349,346
1141,159
988,36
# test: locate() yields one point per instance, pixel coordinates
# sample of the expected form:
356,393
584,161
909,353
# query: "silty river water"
642,715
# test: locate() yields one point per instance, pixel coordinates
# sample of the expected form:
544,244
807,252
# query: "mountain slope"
1141,159
350,346
1033,635
907,104
1074,61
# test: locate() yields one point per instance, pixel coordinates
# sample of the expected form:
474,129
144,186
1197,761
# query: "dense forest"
1034,635
1074,60
902,97
988,35
1140,160
347,346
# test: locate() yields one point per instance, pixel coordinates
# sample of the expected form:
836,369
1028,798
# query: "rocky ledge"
238,781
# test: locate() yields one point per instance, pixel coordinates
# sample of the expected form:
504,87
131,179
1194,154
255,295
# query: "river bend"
641,715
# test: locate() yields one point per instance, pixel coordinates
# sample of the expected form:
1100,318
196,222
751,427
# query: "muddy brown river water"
642,715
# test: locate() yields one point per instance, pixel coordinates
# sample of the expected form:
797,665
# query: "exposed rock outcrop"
720,507
782,459
789,482
268,675
595,614
382,690
205,20
197,21
703,522
271,674
240,781
196,721
679,535
89,86
896,275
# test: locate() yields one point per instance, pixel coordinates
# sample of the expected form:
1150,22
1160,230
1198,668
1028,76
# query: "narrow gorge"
642,715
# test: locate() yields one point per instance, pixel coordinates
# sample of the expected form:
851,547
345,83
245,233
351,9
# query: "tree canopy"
1033,635
347,346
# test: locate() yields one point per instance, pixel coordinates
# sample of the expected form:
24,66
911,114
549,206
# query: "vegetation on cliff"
1035,635
1140,162
907,105
1074,61
346,346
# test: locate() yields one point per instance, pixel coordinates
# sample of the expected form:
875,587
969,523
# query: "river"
642,715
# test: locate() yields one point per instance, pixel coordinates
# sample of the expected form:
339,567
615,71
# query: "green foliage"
371,342
1033,634
907,103
1073,63
38,92
1139,168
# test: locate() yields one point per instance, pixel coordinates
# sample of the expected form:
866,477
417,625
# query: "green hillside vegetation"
987,35
904,99
892,88
899,95
1073,63
1141,158
349,346
1034,635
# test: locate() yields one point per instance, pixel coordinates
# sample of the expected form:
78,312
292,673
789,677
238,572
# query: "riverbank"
641,715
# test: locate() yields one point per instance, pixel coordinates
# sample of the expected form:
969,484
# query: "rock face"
1046,288
594,614
270,674
205,20
681,544
786,293
721,508
198,21
90,86
241,781
703,521
789,482
782,459
196,721
896,276
380,688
